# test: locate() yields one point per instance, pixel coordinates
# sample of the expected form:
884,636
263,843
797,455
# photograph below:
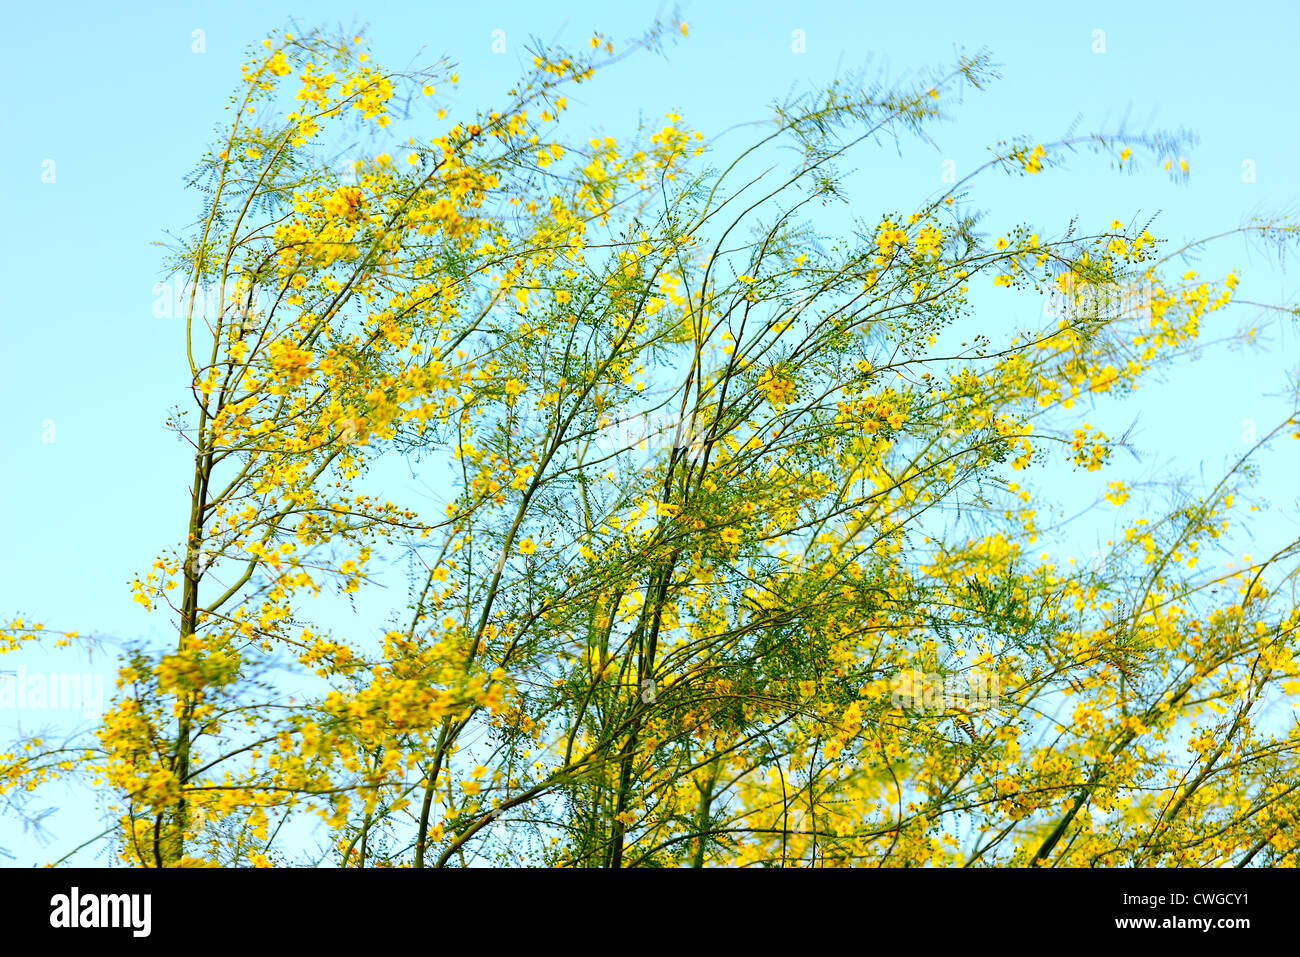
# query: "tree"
734,566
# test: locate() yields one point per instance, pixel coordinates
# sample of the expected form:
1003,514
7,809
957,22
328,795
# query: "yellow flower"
929,241
779,391
1034,163
527,547
731,536
1117,494
1103,380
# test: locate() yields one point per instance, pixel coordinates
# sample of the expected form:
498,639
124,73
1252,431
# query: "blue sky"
123,106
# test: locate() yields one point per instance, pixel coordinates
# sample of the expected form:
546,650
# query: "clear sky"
116,97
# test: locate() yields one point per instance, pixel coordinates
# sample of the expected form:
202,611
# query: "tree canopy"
745,492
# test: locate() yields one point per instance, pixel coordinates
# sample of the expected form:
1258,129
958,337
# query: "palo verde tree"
735,564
